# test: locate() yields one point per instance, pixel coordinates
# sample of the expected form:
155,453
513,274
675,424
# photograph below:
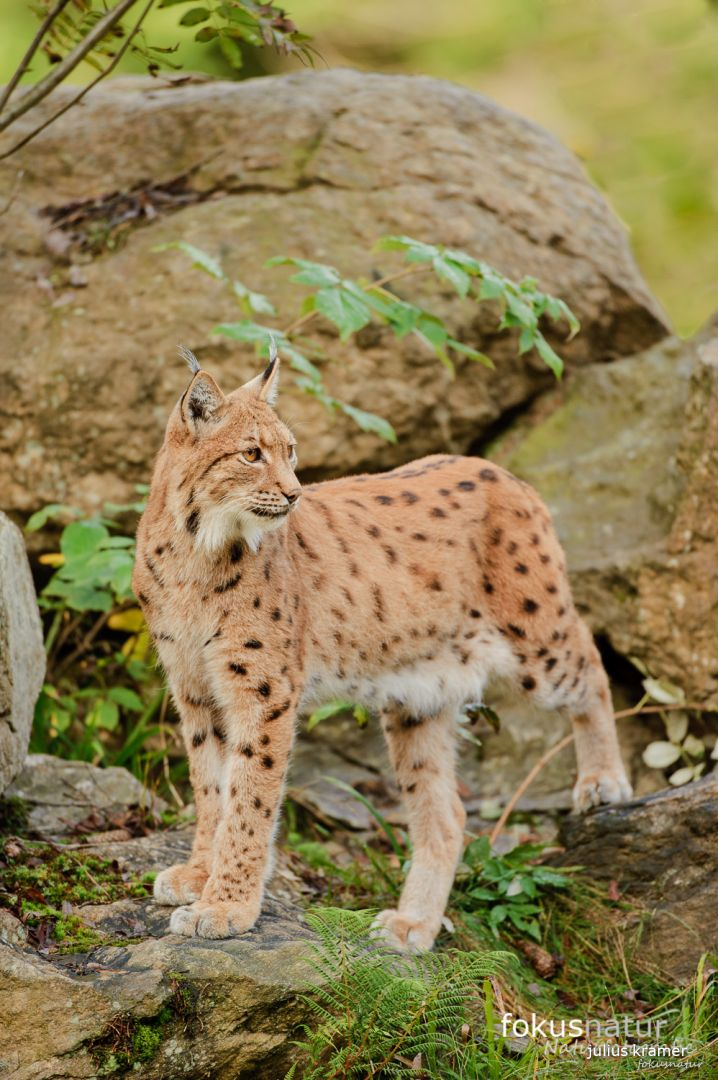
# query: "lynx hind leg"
601,773
422,752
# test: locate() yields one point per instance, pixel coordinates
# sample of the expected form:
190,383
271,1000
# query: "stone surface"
22,655
627,461
59,794
12,932
663,851
312,164
225,1009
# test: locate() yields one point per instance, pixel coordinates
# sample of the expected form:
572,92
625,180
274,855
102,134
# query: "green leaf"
432,330
416,251
478,851
369,422
527,339
41,517
497,914
549,357
310,273
254,301
121,581
126,698
473,354
207,33
456,277
232,54
520,310
490,289
332,708
347,312
479,893
299,362
194,16
106,715
82,539
200,259
543,876
246,330
528,885
79,597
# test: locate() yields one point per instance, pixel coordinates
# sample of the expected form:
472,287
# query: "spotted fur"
405,591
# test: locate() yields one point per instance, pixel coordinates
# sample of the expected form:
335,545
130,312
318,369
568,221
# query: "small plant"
378,1015
350,305
503,891
681,747
102,696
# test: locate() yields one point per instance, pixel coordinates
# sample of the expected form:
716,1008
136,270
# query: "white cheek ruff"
221,524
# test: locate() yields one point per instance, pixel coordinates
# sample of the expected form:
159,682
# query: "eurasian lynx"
405,591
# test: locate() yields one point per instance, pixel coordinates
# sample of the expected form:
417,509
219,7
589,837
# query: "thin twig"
13,191
566,741
691,706
531,776
103,74
31,50
54,77
86,641
67,631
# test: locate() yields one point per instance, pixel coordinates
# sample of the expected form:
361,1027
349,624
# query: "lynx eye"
252,455
292,455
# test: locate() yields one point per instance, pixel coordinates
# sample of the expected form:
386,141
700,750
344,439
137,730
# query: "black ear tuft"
269,370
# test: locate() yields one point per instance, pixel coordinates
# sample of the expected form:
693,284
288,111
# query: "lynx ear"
266,386
202,399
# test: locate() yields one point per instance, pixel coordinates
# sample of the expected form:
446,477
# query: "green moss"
127,1044
73,936
145,1042
40,880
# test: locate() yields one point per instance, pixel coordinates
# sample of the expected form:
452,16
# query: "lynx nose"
292,496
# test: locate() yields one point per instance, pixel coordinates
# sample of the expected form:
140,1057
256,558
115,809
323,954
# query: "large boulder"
313,165
627,461
22,655
662,851
160,1006
135,999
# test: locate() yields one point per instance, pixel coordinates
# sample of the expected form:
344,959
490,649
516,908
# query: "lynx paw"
592,789
221,919
180,884
404,933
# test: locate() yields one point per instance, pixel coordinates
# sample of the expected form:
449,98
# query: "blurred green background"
630,85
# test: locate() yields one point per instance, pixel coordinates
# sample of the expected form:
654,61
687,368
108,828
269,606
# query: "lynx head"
229,460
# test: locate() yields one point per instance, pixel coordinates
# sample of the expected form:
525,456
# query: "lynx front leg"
422,753
257,754
204,735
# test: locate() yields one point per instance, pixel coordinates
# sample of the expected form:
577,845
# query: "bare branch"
32,49
86,89
42,88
